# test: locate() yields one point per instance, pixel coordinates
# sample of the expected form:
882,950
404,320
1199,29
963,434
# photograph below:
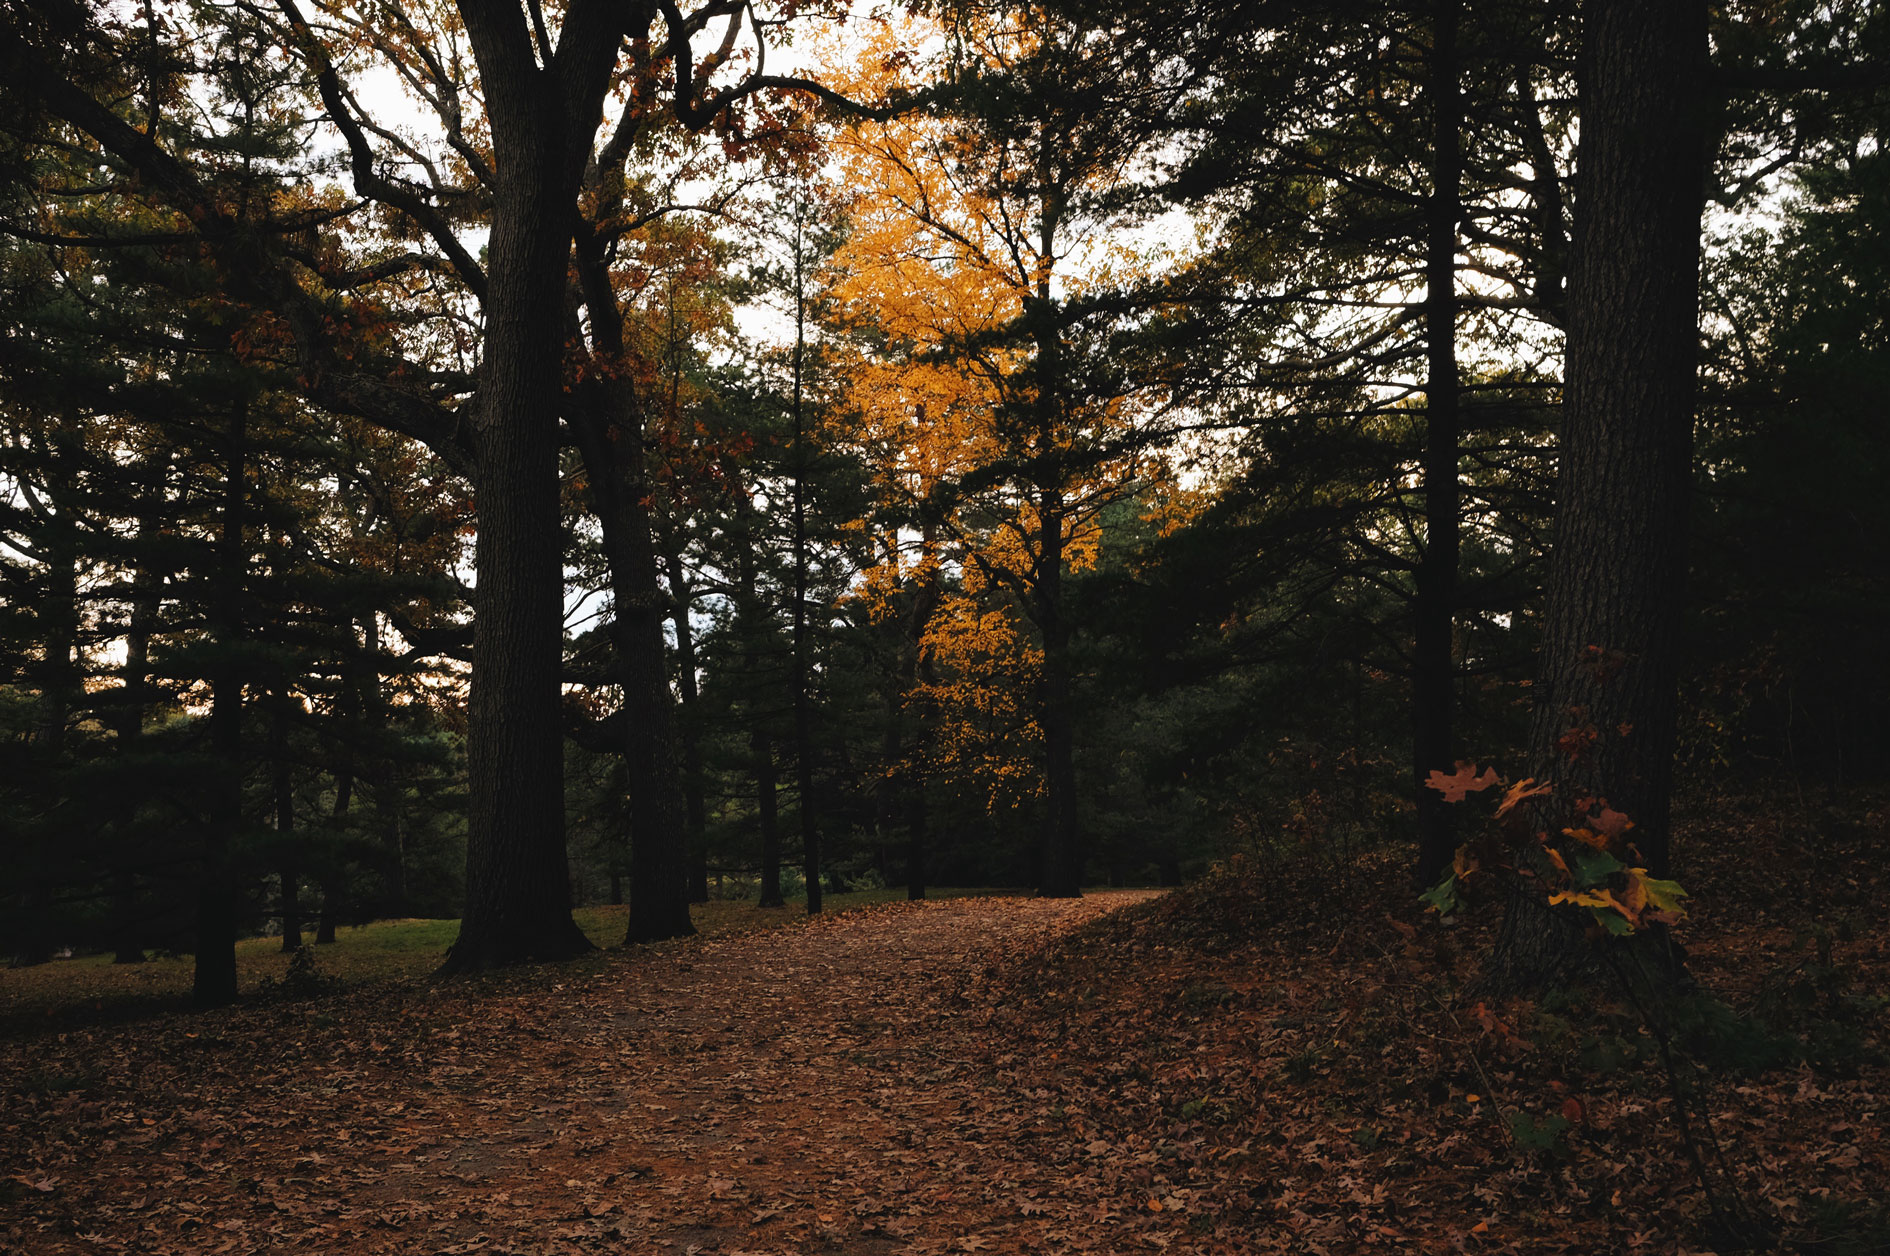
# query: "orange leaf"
1595,898
1461,782
1521,791
1611,822
1588,837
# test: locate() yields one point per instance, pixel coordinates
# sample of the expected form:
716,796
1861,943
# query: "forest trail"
793,1091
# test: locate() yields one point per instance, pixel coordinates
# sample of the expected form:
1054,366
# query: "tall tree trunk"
518,894
918,840
803,699
751,617
1062,853
695,808
610,438
659,884
1604,720
354,701
135,679
370,701
1062,868
918,678
608,424
214,980
1434,669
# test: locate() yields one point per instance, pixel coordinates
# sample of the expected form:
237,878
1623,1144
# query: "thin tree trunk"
60,685
371,702
918,678
1434,669
768,806
610,442
214,980
751,619
918,841
1062,858
803,701
695,808
610,437
659,888
135,679
1061,872
353,700
288,871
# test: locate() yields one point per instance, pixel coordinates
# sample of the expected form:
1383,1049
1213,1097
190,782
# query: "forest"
944,627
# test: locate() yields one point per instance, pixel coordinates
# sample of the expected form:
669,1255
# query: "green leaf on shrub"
1590,868
1443,898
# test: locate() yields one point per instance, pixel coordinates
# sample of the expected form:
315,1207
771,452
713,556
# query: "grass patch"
92,988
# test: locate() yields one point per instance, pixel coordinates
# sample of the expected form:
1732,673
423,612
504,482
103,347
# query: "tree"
515,143
201,492
1604,713
1604,724
965,246
1385,184
1783,678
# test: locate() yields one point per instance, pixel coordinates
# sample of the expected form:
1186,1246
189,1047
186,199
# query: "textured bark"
610,439
1610,654
659,891
1434,670
517,887
1604,719
517,878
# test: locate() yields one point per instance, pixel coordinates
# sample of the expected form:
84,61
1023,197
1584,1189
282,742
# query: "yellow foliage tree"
972,260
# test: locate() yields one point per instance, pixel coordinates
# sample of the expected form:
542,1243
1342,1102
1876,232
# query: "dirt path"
803,1091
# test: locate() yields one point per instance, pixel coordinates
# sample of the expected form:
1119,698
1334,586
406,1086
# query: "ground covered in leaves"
1283,1058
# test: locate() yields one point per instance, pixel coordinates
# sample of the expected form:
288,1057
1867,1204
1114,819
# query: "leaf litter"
1228,1069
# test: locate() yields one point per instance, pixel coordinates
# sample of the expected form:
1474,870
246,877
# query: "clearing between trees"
1228,1068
